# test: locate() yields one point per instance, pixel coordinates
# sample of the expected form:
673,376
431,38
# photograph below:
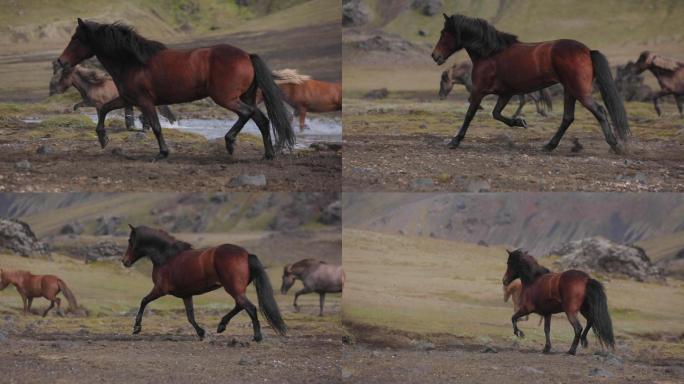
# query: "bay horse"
670,75
545,293
504,66
460,73
184,272
317,276
147,73
31,286
96,88
305,94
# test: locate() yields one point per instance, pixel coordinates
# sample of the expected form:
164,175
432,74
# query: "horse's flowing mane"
302,264
526,266
478,36
119,41
167,246
289,76
92,76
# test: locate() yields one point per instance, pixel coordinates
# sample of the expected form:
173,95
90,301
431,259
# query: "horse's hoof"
572,352
230,146
269,156
520,334
548,148
520,122
221,328
137,329
585,343
103,139
257,338
547,349
201,333
617,149
161,156
453,144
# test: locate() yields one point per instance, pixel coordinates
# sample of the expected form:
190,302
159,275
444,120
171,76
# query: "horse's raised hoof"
520,122
519,333
136,329
257,338
221,328
453,144
201,333
103,139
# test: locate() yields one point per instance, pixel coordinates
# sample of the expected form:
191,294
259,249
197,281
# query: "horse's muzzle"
438,58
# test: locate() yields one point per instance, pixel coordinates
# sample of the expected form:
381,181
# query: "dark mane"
162,246
478,36
119,41
526,266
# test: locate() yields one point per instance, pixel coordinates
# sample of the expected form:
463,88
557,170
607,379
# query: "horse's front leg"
655,100
514,320
154,295
547,333
302,291
501,104
150,113
475,100
102,114
190,312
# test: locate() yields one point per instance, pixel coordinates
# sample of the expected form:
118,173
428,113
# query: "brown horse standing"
670,75
184,272
546,293
31,286
96,88
147,73
505,67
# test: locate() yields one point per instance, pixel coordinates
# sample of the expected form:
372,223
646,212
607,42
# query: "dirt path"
77,163
392,357
402,145
166,351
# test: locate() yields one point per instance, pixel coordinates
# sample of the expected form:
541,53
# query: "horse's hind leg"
262,122
244,302
568,118
587,315
302,291
52,304
572,318
500,105
244,112
322,303
547,333
302,119
225,319
521,104
28,304
602,116
190,312
129,118
150,113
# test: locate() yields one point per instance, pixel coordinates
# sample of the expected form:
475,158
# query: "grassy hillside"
432,287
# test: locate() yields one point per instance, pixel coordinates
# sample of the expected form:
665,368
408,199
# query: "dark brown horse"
184,272
670,75
505,67
571,292
460,73
31,286
147,73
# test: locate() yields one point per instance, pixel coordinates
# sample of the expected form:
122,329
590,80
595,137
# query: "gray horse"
317,276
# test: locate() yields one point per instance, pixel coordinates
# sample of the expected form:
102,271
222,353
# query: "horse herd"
504,66
146,74
182,271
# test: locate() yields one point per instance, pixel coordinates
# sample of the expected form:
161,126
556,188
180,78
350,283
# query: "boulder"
353,13
109,226
75,228
104,250
604,256
17,237
427,7
332,214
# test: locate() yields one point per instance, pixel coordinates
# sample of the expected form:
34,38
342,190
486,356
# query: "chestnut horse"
546,293
184,272
96,88
147,73
506,67
31,286
670,75
305,94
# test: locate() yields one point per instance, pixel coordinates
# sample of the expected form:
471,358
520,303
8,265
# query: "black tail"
596,303
280,118
267,303
610,95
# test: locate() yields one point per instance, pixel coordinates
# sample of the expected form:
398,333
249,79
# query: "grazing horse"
305,94
147,73
31,286
546,293
96,88
184,272
317,276
460,73
670,75
506,67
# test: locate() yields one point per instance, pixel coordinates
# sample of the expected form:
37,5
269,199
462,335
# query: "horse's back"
318,96
326,278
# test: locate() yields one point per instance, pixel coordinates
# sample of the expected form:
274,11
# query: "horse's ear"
509,252
80,22
445,16
132,228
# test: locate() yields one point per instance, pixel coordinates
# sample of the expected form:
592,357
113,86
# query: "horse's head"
79,48
644,62
515,260
288,279
449,41
61,78
137,247
445,84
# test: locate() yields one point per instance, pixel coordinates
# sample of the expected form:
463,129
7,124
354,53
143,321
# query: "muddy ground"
59,350
382,356
400,144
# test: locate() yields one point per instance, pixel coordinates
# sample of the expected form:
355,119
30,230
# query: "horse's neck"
115,68
80,84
